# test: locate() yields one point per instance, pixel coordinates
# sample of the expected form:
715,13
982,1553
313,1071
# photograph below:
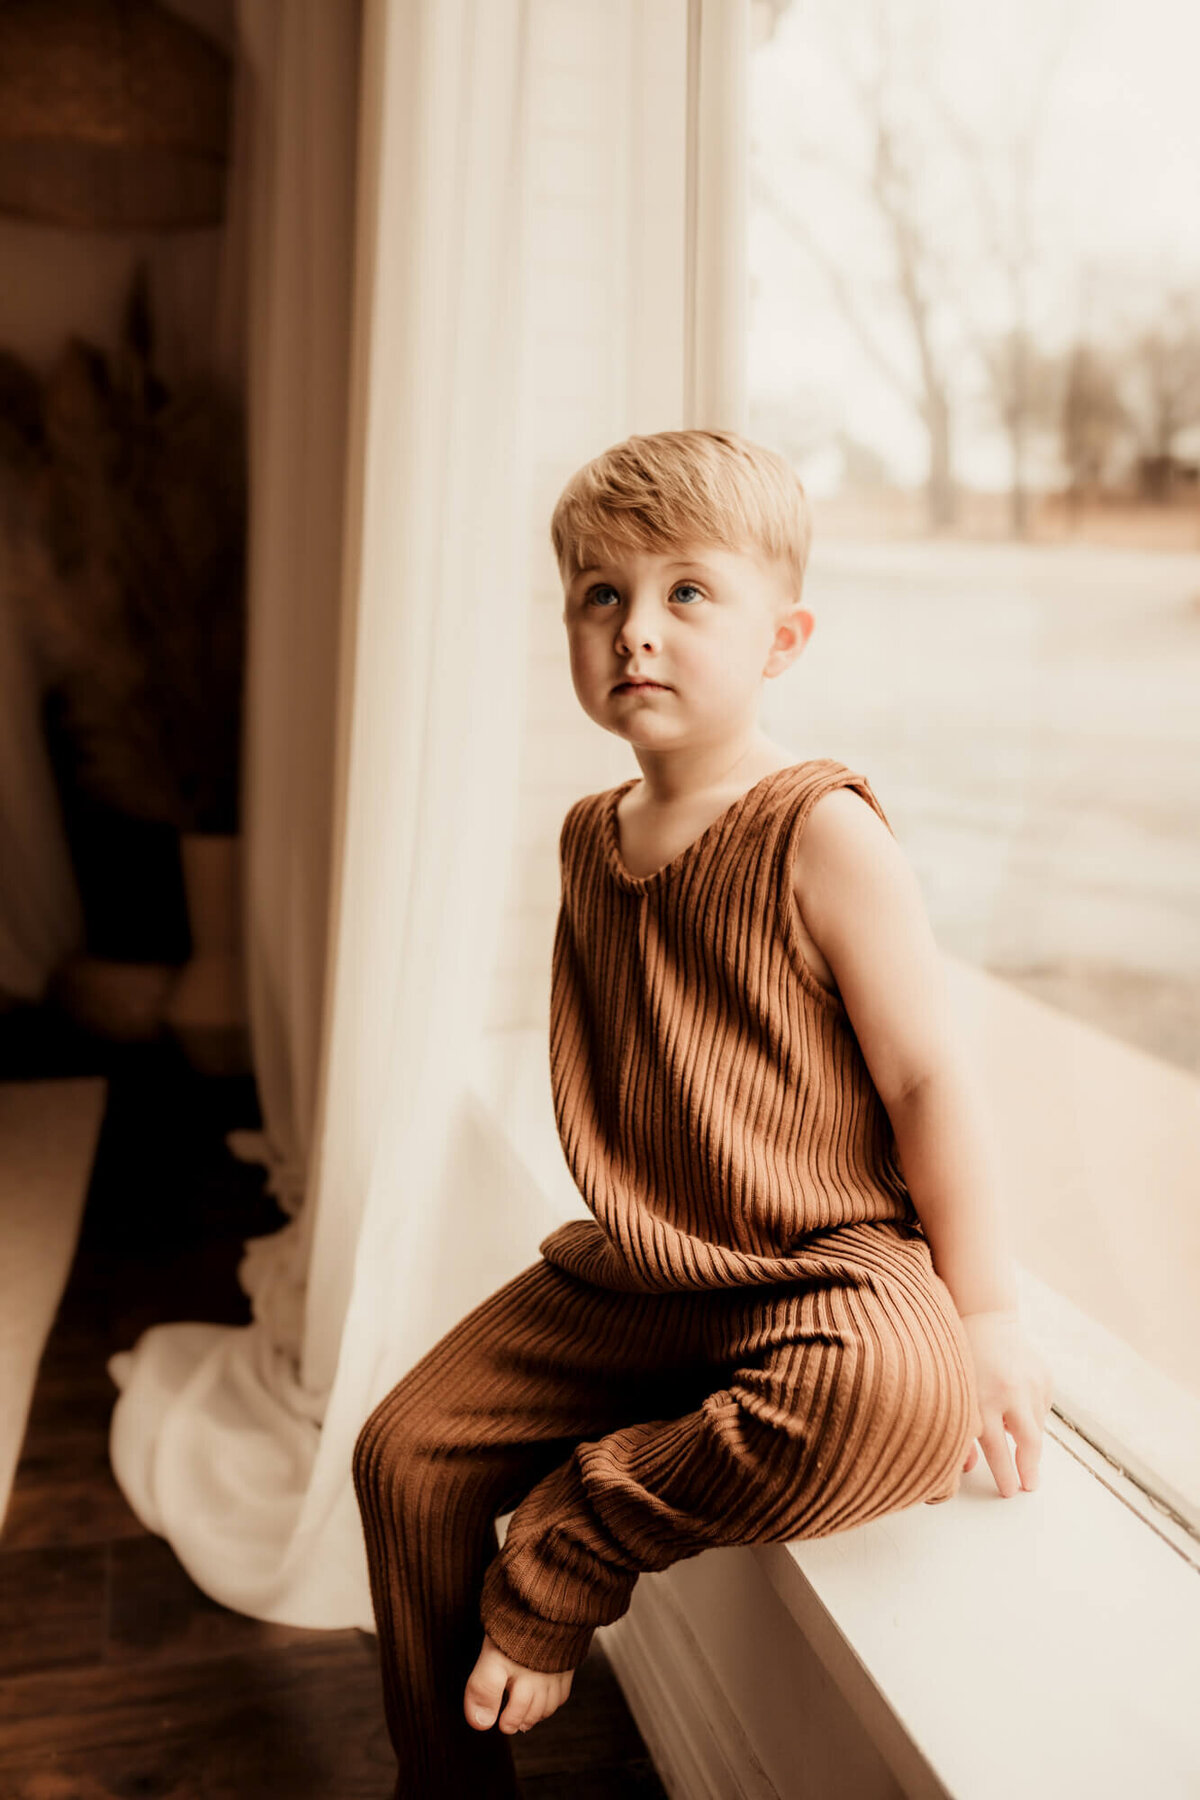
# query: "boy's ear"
799,622
791,634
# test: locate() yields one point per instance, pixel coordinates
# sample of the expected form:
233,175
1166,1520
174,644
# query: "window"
975,331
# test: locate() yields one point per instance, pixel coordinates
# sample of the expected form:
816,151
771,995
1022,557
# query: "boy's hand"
1015,1391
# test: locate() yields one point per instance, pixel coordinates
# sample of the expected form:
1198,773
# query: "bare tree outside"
1162,367
888,174
1020,375
924,215
1092,417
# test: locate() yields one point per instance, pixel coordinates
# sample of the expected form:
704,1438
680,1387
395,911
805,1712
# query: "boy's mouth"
637,687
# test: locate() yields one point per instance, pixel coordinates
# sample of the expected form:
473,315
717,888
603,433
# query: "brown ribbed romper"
746,1343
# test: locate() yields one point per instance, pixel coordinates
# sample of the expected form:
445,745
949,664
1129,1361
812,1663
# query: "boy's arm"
861,903
859,898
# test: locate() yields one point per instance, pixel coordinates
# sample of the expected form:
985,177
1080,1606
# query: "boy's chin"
642,734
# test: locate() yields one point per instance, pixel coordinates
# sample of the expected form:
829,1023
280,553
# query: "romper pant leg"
844,1398
631,1431
501,1399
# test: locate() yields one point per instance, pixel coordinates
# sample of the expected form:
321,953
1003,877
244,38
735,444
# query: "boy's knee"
406,1460
383,1449
911,1405
366,1448
930,1425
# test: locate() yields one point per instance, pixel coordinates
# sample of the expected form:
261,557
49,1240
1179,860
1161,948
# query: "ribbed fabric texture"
748,1341
712,1100
629,1431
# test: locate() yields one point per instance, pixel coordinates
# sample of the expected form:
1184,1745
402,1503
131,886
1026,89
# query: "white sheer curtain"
541,263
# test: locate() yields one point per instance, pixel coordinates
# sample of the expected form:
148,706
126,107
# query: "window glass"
975,332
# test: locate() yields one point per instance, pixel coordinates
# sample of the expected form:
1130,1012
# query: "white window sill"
1046,1646
1043,1645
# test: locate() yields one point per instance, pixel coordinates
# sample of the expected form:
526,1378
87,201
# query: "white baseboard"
695,1739
732,1698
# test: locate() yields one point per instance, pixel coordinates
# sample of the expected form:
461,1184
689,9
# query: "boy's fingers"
1028,1435
994,1443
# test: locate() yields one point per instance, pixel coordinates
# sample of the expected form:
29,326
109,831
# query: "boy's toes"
485,1690
522,1709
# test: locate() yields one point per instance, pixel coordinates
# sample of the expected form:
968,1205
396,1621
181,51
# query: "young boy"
793,1309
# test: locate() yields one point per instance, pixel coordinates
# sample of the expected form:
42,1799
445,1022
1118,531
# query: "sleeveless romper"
745,1343
712,1100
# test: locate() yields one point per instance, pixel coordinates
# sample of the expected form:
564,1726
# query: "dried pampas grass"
122,543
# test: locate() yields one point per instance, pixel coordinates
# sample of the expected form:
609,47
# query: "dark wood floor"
119,1679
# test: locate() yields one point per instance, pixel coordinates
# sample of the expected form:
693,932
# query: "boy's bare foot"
532,1696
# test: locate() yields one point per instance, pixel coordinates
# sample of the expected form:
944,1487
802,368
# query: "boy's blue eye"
605,587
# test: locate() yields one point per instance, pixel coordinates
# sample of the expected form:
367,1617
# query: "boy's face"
705,623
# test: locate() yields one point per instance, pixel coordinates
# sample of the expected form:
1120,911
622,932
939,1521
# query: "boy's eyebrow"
679,562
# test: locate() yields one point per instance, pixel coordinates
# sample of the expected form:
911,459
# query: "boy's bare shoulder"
843,815
845,839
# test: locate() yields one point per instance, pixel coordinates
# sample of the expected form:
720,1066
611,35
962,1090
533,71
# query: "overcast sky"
1116,194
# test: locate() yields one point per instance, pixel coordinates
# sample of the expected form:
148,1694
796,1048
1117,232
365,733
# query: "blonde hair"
679,487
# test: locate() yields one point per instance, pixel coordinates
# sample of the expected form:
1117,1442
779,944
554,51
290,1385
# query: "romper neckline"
640,884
